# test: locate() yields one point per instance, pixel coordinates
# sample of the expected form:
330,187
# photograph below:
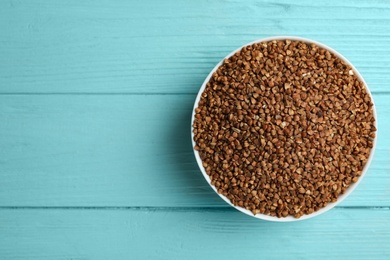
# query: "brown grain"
283,128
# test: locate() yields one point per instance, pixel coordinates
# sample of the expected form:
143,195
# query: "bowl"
329,206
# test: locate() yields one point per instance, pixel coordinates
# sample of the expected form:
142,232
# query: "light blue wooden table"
95,152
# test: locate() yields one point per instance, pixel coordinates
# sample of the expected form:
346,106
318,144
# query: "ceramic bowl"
289,218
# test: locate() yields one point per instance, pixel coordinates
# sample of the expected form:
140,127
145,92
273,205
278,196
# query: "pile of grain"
283,128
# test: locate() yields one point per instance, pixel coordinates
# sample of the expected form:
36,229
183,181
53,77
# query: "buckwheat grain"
283,128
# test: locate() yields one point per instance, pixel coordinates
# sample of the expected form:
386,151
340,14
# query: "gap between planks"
121,94
167,209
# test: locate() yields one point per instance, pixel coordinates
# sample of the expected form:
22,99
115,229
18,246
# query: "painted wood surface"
170,46
124,150
95,153
191,234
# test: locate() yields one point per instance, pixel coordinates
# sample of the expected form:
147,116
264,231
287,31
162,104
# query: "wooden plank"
191,234
169,47
124,150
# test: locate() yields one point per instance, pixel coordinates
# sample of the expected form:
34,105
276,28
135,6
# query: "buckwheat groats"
283,128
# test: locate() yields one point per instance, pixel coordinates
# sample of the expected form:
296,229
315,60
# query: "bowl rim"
341,197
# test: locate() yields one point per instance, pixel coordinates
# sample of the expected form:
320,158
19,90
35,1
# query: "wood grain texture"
170,46
189,234
124,150
95,154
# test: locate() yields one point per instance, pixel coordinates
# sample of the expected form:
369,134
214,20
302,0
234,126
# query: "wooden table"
95,153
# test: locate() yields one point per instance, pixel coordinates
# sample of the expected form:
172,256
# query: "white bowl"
289,218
